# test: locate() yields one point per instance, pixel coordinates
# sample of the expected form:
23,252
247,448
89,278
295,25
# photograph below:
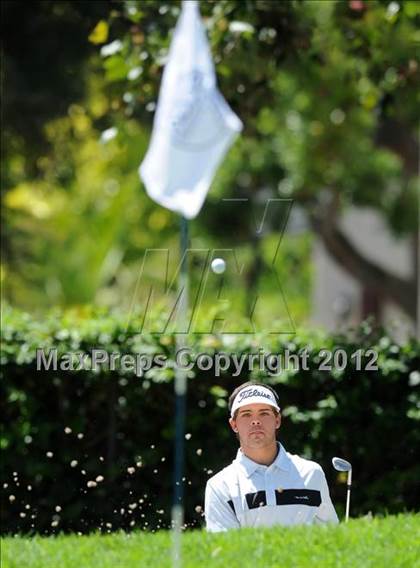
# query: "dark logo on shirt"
310,497
256,500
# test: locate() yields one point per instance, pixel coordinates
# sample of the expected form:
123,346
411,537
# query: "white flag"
193,126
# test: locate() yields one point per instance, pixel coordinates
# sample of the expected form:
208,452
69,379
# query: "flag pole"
180,400
193,129
418,247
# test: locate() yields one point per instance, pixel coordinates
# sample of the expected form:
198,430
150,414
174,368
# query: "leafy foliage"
314,83
327,92
120,426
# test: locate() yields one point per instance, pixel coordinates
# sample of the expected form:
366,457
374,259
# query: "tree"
65,190
327,92
44,49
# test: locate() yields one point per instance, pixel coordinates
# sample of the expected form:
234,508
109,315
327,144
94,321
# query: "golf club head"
341,465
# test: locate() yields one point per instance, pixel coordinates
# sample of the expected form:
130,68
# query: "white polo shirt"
290,491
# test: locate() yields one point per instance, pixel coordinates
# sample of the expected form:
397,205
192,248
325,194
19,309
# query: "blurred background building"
338,299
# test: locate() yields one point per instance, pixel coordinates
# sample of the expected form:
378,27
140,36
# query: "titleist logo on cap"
253,392
254,395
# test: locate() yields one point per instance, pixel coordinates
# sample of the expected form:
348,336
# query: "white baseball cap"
254,394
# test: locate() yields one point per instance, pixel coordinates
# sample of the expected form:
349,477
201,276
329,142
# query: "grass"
361,543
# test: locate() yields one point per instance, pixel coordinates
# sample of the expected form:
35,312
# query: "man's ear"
232,423
278,421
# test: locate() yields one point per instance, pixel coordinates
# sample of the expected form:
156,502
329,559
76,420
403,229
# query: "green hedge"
108,421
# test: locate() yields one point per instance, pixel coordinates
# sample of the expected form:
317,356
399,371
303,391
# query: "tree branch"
399,290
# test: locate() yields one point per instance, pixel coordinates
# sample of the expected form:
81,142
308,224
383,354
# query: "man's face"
256,425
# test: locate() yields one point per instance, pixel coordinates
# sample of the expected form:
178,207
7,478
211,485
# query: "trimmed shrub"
87,449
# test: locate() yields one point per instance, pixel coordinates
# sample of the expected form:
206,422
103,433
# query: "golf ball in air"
218,265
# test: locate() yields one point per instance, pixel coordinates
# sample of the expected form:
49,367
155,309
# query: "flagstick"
418,247
166,181
180,401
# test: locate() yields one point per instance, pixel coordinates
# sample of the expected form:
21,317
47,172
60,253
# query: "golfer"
264,485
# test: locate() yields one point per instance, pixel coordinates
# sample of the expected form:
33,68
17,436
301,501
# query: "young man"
264,485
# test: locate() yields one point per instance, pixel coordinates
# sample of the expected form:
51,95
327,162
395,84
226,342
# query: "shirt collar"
249,467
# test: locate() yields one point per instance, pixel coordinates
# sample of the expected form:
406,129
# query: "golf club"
343,465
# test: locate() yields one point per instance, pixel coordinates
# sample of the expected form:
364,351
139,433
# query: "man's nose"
256,421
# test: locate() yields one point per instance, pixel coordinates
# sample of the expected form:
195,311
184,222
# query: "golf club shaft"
348,495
